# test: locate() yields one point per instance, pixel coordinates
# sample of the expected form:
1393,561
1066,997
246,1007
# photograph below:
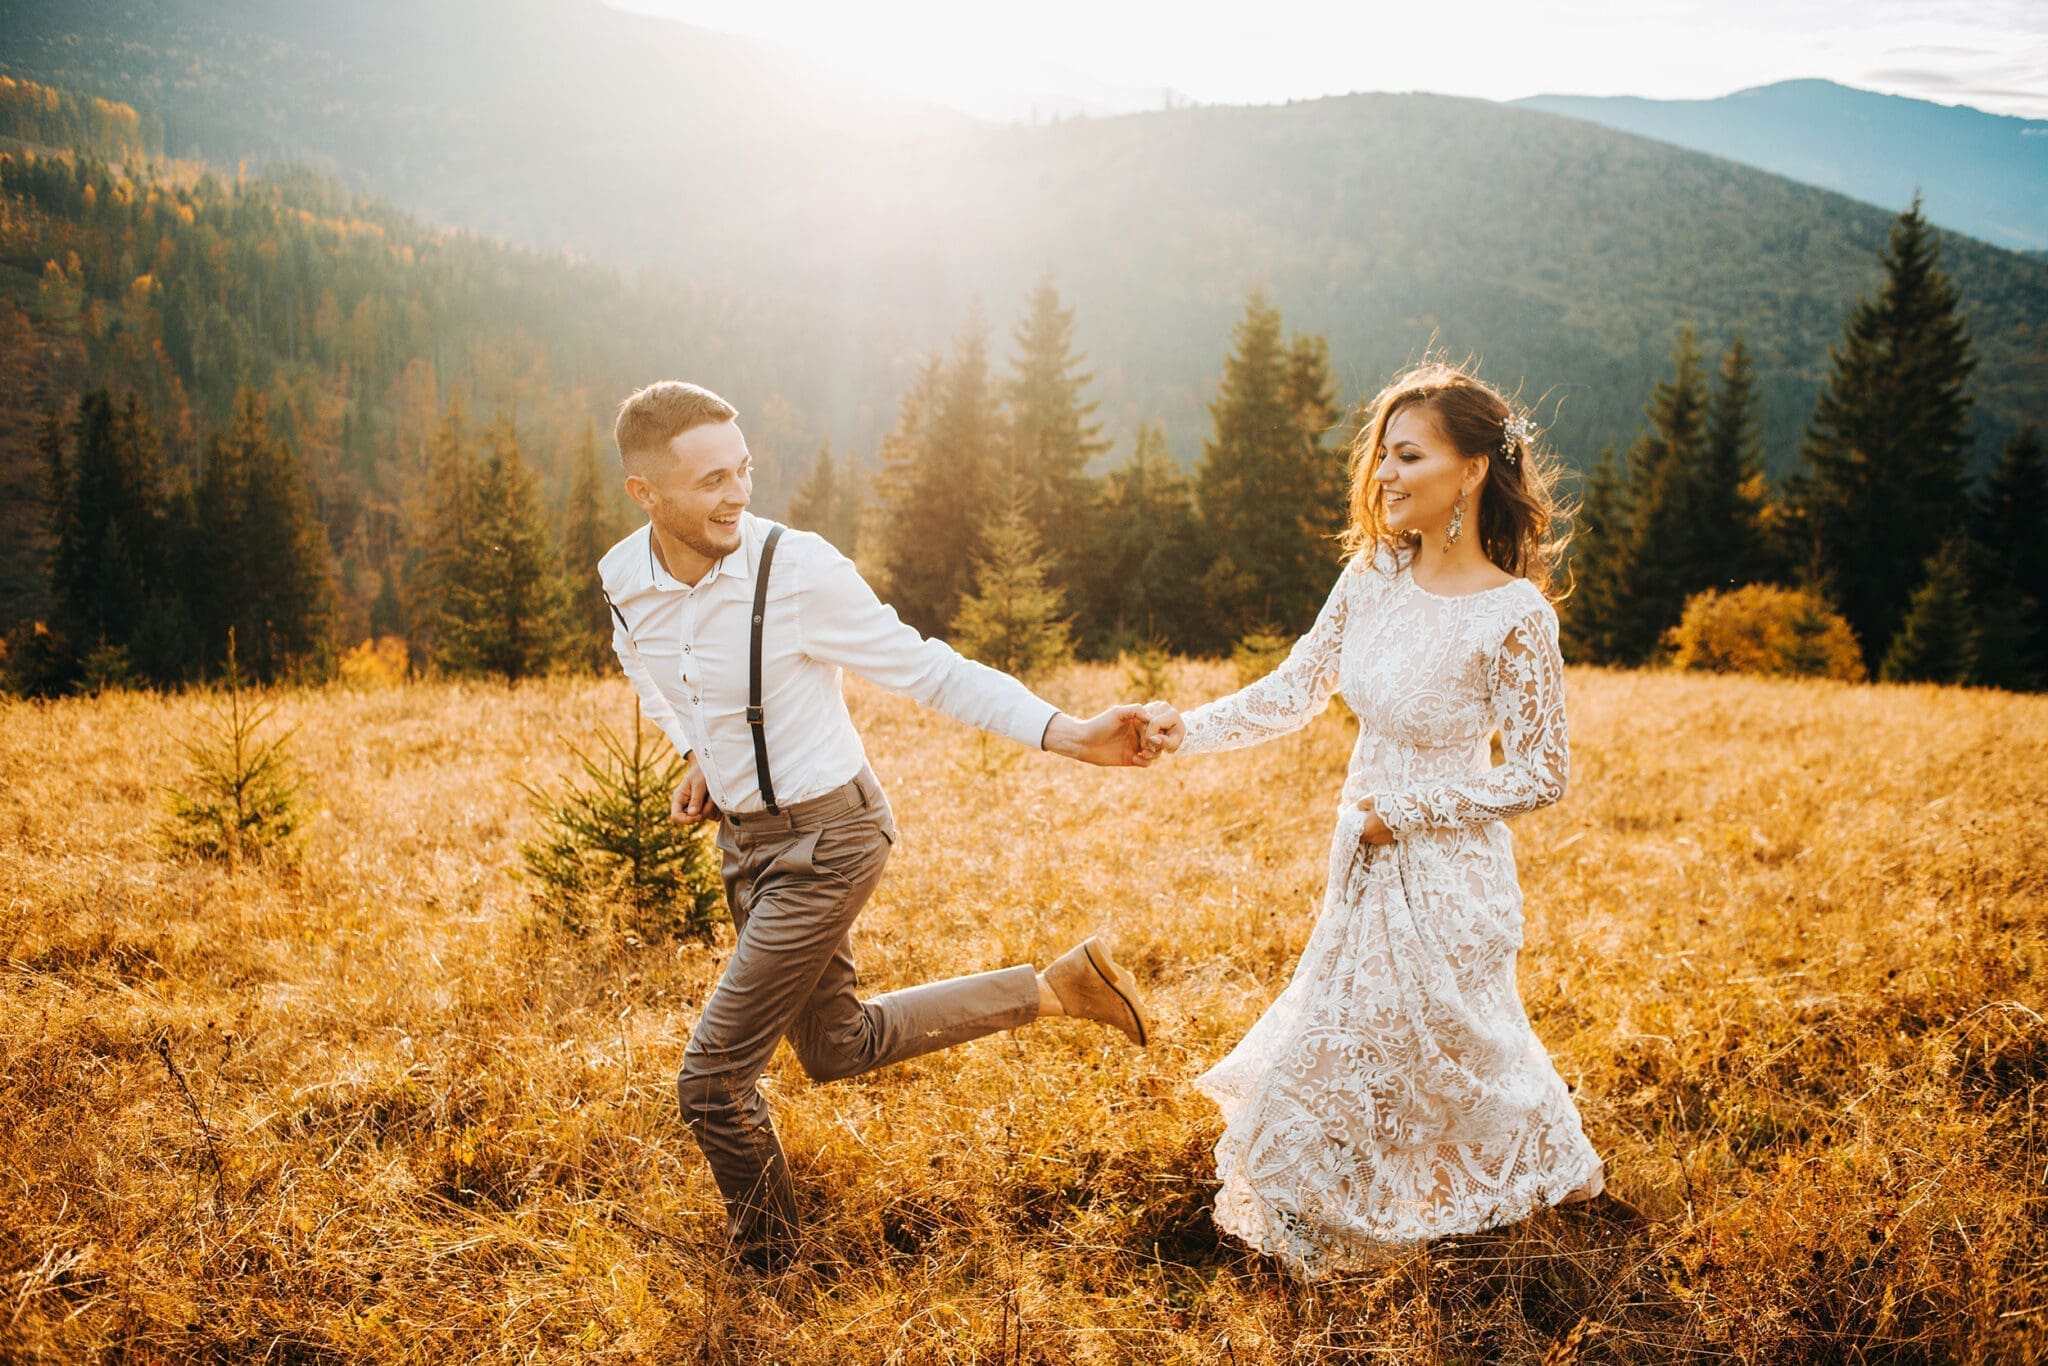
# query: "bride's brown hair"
1518,510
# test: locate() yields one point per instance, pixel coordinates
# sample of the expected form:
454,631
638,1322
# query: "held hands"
1127,736
1164,730
1118,738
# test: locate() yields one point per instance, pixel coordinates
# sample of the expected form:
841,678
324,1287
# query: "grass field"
1784,939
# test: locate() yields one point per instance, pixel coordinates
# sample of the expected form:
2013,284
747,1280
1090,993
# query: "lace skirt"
1394,1092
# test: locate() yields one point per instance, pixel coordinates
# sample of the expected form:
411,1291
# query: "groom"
734,633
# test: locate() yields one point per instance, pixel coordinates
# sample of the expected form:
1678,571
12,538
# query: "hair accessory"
1515,435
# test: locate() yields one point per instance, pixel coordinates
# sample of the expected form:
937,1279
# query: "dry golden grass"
1785,939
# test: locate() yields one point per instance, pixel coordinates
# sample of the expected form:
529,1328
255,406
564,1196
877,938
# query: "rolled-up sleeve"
842,622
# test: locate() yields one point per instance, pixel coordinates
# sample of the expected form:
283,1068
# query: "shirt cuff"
1028,724
673,729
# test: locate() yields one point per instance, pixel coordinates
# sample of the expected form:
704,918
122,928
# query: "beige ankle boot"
1092,986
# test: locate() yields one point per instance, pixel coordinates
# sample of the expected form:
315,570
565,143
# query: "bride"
1393,1092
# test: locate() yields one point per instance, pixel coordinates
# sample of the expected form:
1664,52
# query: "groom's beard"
700,536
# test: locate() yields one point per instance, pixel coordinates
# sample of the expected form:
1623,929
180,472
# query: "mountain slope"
1981,174
854,231
1563,254
495,114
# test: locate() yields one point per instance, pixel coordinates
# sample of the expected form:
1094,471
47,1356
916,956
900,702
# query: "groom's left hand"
1113,739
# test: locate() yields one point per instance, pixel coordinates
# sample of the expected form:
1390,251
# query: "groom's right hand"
1114,738
692,802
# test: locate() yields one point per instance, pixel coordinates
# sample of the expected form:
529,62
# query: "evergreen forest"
266,405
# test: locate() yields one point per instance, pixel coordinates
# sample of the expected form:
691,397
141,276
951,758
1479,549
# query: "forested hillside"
355,324
861,227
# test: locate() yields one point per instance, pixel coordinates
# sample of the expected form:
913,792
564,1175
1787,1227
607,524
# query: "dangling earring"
1457,528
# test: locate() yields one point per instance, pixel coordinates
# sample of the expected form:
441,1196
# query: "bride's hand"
1376,831
1164,729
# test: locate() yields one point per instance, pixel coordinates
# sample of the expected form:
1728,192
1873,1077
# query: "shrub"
240,802
1767,630
1145,670
379,663
609,854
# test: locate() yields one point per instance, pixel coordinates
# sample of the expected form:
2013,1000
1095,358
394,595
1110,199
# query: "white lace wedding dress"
1393,1092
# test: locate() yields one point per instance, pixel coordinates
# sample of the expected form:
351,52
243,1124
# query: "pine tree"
443,548
828,501
501,613
2006,654
586,534
939,480
2012,566
39,658
1689,516
50,451
1889,438
1588,625
1052,438
387,612
1146,557
1319,487
266,557
1732,489
1664,561
811,506
2015,516
1249,485
164,644
112,577
1937,641
239,801
915,575
99,567
608,847
1012,620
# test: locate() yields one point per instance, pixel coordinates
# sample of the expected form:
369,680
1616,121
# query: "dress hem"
1316,1253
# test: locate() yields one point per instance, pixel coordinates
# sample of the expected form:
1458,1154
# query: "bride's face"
1421,473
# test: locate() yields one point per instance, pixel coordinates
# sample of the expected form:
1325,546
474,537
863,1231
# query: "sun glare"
982,58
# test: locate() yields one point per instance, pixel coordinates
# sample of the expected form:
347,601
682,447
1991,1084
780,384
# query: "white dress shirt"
686,655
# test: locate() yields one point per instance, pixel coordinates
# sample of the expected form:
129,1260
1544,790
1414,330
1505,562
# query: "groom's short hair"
657,415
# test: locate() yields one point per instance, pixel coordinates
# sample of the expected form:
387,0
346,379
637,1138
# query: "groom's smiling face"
696,497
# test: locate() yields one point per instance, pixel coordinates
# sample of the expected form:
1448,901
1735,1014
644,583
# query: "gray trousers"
794,883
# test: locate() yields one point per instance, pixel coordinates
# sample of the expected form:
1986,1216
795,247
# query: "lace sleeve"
1284,700
1527,682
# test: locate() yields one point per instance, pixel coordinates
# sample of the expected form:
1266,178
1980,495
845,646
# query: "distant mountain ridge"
1982,174
852,231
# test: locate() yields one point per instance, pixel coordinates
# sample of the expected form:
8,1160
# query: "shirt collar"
737,564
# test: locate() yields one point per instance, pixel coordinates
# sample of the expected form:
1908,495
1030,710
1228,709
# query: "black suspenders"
755,716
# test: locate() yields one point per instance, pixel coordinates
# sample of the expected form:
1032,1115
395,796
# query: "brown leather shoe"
1091,986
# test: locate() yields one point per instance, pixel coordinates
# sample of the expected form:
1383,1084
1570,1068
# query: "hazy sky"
979,55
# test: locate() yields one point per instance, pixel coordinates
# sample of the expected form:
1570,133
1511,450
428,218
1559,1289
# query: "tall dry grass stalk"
1784,939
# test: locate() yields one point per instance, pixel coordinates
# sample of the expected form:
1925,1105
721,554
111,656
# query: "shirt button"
686,649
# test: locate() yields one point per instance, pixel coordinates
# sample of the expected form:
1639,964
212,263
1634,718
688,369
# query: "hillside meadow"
1784,939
